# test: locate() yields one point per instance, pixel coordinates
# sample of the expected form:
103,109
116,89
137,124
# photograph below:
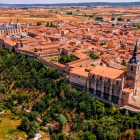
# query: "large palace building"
12,29
118,86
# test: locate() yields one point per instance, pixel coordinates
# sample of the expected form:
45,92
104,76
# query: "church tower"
133,71
11,23
18,24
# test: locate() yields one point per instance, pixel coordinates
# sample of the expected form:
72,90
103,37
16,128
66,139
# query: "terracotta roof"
80,72
127,89
108,72
59,64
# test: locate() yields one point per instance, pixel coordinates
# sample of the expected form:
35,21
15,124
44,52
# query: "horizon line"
64,3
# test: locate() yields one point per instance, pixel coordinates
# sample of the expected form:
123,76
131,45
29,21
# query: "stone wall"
9,47
81,80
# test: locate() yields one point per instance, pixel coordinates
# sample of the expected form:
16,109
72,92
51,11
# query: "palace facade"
12,29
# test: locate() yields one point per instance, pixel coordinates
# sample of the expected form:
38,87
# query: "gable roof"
108,72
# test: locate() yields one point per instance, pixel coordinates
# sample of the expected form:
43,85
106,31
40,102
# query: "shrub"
45,129
24,124
62,119
1,110
31,134
39,23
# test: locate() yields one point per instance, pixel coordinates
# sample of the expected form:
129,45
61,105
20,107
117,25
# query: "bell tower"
133,71
18,24
11,23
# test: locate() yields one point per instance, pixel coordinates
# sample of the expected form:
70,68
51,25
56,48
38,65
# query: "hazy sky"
57,1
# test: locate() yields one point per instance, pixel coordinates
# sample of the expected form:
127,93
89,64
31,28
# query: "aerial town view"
69,70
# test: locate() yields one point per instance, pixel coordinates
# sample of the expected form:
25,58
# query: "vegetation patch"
66,59
93,56
64,112
8,129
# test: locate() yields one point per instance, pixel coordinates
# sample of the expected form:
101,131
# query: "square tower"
133,71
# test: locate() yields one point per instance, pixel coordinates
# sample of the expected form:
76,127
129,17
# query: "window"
131,68
79,76
124,93
100,78
117,83
93,76
108,80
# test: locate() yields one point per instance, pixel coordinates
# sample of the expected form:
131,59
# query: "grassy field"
8,128
52,59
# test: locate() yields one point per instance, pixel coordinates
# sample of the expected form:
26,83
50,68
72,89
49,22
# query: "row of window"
8,31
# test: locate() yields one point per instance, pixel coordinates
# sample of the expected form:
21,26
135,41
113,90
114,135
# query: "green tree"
62,119
39,23
120,19
107,129
93,56
34,126
123,63
24,124
137,136
31,134
99,18
82,105
112,18
47,24
39,106
45,120
89,136
33,115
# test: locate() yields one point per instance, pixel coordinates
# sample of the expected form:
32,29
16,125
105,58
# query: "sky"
56,1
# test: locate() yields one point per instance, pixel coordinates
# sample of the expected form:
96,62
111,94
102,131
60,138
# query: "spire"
135,58
17,23
11,22
135,51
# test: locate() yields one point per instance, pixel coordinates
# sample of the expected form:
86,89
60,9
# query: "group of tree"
50,24
93,56
120,19
99,18
112,18
69,13
124,63
59,105
39,23
66,59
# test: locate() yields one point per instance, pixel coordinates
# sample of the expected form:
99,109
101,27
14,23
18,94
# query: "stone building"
113,85
12,29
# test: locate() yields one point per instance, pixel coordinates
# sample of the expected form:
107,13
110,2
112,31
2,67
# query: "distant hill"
77,4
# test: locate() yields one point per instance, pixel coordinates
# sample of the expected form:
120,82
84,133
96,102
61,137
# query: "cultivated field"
79,14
